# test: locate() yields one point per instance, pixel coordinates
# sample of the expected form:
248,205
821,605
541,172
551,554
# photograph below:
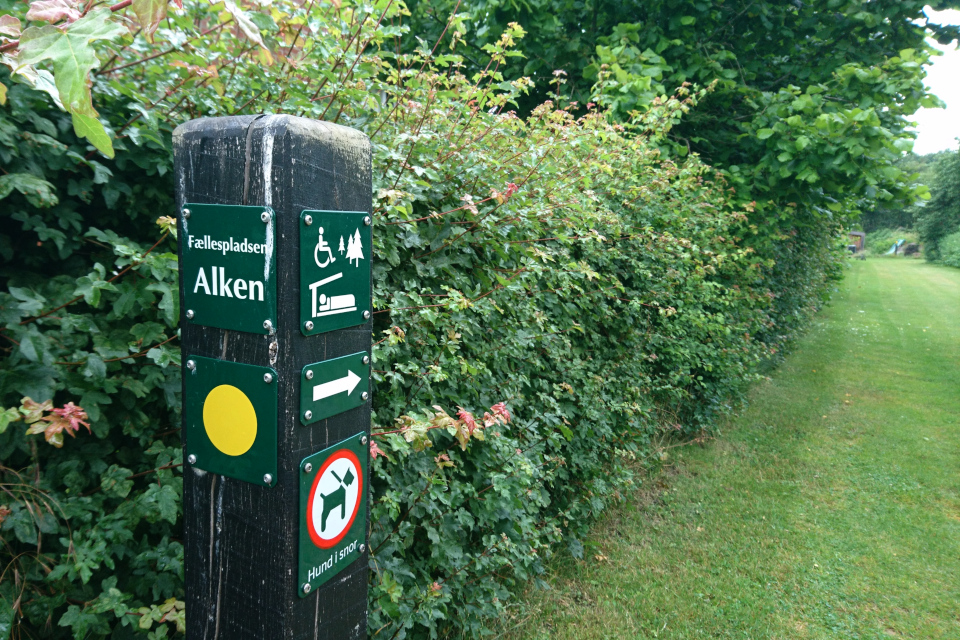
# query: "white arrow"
347,383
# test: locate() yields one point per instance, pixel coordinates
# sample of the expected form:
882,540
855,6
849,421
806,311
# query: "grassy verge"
831,509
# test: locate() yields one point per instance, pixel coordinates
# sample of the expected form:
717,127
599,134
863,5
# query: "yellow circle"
230,420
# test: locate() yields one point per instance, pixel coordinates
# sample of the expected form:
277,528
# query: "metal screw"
366,359
364,395
366,315
267,478
310,374
308,325
265,216
306,587
191,365
363,439
190,314
186,213
363,548
268,378
307,468
308,414
268,325
367,220
192,459
308,220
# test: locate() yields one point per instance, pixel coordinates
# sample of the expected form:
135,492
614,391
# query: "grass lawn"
830,509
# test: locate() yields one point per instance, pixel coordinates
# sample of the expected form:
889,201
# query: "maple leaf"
9,26
376,451
467,419
33,411
149,14
247,26
54,10
500,409
73,57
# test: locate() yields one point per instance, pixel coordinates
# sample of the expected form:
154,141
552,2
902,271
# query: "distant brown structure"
857,239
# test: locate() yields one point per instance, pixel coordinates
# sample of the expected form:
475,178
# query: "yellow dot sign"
230,420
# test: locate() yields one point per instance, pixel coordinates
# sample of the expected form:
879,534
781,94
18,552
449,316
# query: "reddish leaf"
9,26
54,10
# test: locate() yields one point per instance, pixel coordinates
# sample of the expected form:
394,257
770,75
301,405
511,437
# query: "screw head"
367,221
364,395
363,439
265,216
309,374
366,315
366,359
363,548
192,459
308,325
191,365
268,378
307,468
186,213
267,478
268,325
306,587
189,314
308,414
308,220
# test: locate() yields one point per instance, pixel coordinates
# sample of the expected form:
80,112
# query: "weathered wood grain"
241,540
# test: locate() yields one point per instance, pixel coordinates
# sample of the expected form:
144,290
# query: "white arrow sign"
347,383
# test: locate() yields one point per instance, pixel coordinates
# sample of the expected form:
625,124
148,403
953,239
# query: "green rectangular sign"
335,249
333,511
229,267
230,412
334,386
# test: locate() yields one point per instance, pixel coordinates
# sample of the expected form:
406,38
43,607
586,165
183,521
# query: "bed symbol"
323,305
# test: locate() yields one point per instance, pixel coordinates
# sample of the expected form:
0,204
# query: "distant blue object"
896,245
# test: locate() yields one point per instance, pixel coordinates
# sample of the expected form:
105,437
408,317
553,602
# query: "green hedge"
555,298
950,250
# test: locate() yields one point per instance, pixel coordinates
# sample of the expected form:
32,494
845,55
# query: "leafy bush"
950,250
554,296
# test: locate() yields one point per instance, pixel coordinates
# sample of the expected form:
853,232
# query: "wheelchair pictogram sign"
335,250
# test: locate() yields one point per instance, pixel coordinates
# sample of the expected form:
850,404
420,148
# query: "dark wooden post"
241,539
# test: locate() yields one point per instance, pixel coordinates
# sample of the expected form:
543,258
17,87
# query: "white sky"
938,129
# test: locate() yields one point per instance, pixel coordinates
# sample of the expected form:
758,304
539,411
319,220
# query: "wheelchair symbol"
323,247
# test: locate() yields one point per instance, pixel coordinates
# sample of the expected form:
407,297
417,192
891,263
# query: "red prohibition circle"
314,535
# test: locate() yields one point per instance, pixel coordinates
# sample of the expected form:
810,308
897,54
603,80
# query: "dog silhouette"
336,498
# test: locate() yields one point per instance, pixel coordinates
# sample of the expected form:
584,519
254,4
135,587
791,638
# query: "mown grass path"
830,509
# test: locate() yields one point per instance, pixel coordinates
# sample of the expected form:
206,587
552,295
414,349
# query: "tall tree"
811,98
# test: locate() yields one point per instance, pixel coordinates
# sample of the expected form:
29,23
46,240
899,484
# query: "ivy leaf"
3,94
72,55
54,11
149,14
92,129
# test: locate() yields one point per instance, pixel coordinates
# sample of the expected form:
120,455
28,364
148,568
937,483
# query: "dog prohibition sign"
334,498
